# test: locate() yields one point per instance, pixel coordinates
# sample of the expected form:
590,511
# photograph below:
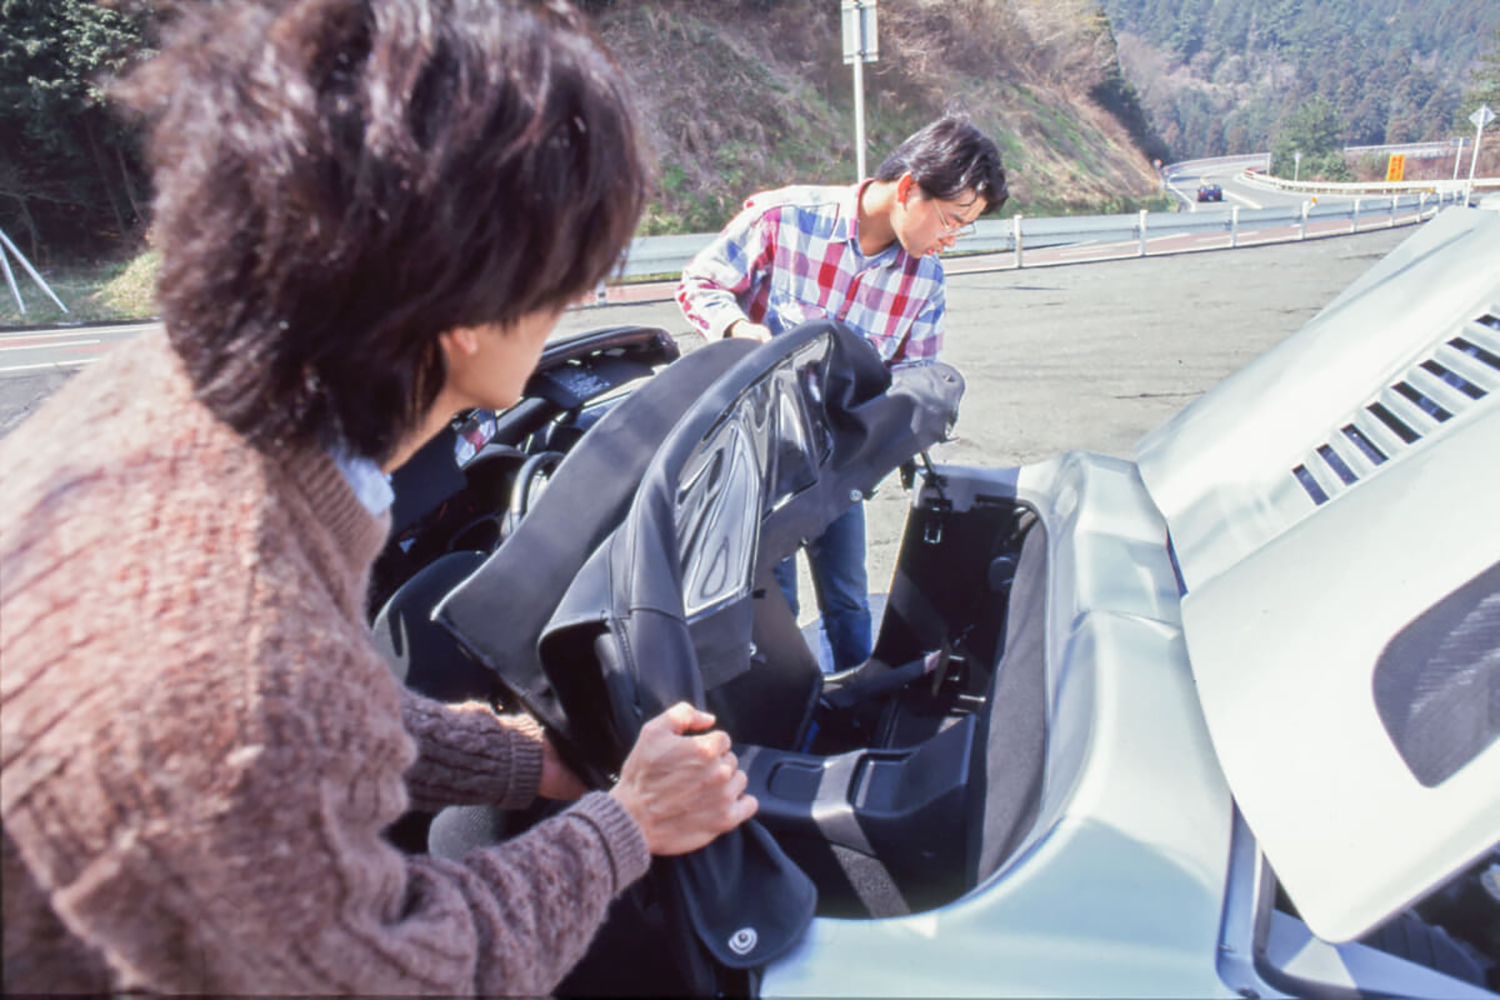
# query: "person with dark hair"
866,255
370,214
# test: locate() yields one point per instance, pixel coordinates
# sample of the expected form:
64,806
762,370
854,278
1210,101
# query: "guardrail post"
1016,235
1422,204
1234,226
601,294
1354,219
1143,234
1392,223
1302,224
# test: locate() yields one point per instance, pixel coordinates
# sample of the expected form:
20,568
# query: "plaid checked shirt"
792,255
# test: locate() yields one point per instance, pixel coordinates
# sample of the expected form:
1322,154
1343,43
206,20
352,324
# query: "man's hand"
683,790
558,779
748,330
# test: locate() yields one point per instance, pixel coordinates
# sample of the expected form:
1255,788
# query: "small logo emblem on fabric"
742,942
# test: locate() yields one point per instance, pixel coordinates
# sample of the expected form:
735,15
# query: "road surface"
1056,358
1183,181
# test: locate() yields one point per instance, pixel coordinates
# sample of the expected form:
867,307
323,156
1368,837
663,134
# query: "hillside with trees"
736,95
1226,76
69,168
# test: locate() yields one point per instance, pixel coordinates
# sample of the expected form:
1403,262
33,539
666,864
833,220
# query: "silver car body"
1202,733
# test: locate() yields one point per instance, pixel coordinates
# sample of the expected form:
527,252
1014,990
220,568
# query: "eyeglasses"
950,227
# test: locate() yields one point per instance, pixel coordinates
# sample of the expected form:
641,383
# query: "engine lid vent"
1461,371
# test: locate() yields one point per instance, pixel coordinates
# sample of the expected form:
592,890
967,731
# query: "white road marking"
1239,197
43,347
51,364
61,333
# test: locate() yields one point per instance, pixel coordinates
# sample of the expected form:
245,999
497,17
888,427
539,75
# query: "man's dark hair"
947,158
340,181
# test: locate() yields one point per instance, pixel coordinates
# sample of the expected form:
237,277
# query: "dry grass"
738,98
91,291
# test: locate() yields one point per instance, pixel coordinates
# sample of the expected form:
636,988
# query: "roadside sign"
1395,168
861,38
861,45
1482,117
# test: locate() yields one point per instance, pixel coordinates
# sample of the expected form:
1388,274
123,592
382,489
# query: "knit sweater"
200,747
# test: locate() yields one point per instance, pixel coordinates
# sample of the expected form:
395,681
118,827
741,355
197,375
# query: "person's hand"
748,330
683,790
558,779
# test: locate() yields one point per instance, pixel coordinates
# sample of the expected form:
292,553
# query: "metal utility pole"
1458,154
861,45
1296,165
10,277
1480,118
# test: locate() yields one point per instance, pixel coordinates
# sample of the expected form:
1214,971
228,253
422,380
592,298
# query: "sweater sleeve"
467,754
203,751
716,281
266,871
235,845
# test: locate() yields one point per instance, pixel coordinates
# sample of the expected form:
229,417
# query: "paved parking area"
1089,356
1093,356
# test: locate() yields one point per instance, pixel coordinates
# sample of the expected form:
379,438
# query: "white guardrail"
664,256
1453,187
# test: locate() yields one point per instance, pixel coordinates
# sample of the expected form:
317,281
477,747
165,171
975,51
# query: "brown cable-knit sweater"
201,747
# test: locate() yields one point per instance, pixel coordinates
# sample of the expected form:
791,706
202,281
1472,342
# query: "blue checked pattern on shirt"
792,255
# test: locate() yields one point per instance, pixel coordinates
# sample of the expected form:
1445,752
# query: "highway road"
1057,358
24,351
1183,180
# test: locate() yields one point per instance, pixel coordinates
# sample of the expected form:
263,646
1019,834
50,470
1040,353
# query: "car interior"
521,576
638,500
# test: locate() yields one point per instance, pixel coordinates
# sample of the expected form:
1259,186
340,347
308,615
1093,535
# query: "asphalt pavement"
1086,356
1183,181
1092,356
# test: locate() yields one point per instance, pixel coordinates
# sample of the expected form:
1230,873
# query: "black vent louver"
1461,371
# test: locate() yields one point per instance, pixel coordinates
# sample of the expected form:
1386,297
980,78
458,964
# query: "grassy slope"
735,99
109,290
741,99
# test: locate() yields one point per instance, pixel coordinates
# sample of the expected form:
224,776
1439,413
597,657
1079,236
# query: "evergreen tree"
1483,88
1313,129
1391,71
68,174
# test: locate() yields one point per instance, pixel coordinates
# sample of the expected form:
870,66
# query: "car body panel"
1350,830
1220,469
1119,886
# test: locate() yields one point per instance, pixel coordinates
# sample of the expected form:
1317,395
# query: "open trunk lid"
1332,511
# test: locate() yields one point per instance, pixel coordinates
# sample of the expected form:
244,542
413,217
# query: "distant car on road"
1210,192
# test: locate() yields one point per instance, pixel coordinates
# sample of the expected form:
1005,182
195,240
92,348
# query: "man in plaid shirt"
865,254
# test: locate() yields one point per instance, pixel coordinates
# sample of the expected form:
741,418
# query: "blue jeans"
837,560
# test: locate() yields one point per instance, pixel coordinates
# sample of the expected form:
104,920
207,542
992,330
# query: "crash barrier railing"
1451,188
1020,235
1434,149
665,256
1184,167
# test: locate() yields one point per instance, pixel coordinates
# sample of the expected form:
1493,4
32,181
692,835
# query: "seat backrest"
771,704
499,612
421,653
1011,739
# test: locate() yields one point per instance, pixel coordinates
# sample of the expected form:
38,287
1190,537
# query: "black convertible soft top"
642,581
